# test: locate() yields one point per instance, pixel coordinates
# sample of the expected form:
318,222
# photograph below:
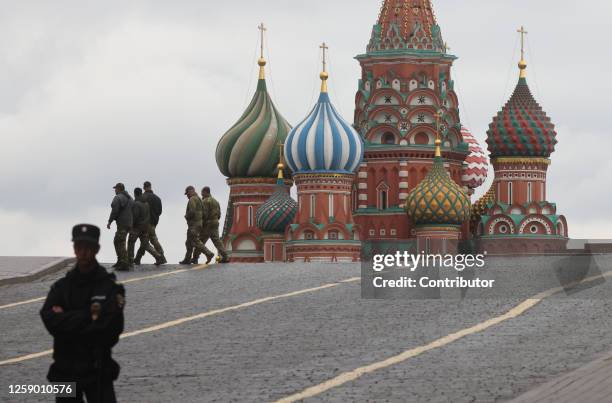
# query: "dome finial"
438,142
522,63
280,165
262,62
324,76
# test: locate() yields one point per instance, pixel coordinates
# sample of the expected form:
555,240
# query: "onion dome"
279,210
438,199
521,128
481,206
324,142
249,148
476,165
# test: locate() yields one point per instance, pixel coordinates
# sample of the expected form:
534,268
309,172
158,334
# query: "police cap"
86,233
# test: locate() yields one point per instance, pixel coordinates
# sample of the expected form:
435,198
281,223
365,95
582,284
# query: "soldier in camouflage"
155,209
121,213
210,228
140,229
193,216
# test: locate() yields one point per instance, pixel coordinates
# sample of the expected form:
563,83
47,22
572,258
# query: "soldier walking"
210,228
84,314
193,216
140,230
121,213
155,209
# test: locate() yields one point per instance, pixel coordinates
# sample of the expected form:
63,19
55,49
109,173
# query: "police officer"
121,213
140,229
155,208
193,216
84,314
210,227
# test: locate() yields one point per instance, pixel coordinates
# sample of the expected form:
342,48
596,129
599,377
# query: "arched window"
421,138
250,217
312,206
388,138
510,198
529,194
272,252
383,196
308,235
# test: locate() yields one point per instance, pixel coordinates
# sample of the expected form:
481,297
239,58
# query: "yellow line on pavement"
202,315
441,342
132,280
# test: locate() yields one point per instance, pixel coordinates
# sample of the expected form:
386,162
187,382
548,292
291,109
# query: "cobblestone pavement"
270,350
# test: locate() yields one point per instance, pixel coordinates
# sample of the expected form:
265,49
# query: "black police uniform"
82,346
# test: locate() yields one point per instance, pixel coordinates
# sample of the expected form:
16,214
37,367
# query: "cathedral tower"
515,216
323,152
406,80
247,156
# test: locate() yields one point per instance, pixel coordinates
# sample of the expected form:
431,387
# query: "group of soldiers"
136,220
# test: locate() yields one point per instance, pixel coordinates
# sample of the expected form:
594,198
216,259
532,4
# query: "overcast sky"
96,92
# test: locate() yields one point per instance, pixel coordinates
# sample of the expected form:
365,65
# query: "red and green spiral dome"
521,128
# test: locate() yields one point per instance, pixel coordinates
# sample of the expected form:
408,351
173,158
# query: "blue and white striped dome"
323,142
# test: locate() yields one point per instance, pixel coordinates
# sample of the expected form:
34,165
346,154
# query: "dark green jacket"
155,206
141,213
121,210
212,210
193,215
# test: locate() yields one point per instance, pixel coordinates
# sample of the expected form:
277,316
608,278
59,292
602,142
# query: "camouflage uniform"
193,215
210,227
140,230
155,209
121,213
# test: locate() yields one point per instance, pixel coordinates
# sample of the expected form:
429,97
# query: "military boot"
187,259
138,258
209,257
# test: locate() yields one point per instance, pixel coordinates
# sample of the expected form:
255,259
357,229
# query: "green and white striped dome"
250,148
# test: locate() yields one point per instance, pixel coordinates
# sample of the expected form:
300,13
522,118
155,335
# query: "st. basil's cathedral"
403,172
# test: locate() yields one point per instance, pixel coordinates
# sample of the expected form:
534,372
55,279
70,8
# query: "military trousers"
153,240
141,234
193,244
119,241
211,231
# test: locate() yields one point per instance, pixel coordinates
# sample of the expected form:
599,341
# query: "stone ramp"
20,269
589,384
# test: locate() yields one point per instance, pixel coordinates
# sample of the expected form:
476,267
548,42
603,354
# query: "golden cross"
324,47
523,33
438,115
263,29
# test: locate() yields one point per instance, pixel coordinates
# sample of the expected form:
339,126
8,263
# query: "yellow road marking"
187,319
132,280
441,342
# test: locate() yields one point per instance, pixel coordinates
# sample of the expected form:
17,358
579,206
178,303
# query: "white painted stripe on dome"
266,147
245,140
328,139
310,141
344,140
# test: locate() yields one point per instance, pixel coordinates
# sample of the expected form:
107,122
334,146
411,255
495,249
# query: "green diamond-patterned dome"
438,199
278,211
